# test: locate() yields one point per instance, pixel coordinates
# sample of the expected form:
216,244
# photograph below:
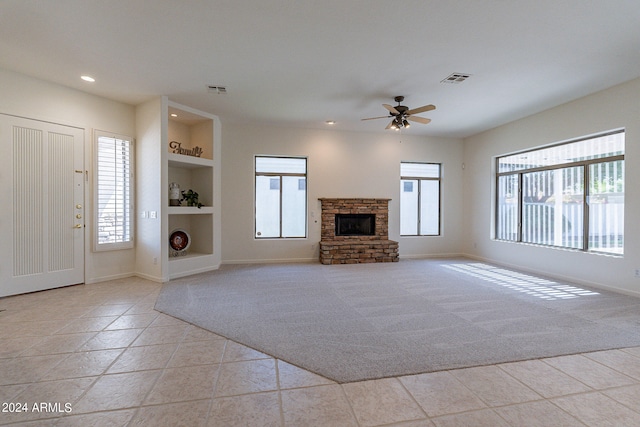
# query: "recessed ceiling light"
88,79
330,122
174,115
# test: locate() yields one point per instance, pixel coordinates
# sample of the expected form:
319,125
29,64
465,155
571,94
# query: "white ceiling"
301,62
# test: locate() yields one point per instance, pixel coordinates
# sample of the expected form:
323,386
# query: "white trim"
271,261
109,278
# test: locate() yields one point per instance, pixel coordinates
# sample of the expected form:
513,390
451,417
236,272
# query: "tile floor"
99,355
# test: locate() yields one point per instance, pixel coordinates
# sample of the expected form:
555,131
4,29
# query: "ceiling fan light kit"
401,115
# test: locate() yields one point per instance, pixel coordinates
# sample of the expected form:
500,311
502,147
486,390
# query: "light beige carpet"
365,321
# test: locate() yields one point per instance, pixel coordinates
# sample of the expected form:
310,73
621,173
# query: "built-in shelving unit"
190,210
189,156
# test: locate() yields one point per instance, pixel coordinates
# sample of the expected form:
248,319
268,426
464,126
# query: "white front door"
42,205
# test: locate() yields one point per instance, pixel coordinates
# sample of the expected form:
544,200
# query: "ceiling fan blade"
422,109
374,118
391,109
389,125
419,119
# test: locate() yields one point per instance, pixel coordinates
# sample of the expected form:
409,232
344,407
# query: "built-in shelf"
189,255
188,162
190,129
189,210
163,129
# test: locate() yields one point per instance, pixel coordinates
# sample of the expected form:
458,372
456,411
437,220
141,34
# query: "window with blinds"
113,190
569,195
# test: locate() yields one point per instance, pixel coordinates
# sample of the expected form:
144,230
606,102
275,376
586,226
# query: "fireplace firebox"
355,224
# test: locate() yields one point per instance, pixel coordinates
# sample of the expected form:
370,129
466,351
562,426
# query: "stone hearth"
354,249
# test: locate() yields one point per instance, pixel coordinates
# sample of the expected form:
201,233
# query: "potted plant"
192,198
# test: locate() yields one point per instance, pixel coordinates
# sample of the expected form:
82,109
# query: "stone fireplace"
356,230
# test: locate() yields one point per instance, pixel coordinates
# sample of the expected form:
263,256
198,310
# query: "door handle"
77,226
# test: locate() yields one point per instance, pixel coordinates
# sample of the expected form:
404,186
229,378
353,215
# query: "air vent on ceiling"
217,89
456,78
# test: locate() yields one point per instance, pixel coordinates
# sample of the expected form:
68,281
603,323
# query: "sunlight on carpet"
525,283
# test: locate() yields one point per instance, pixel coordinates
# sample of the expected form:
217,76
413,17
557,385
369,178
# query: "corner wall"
617,107
340,165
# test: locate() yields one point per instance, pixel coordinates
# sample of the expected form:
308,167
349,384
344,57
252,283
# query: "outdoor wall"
35,99
614,108
340,165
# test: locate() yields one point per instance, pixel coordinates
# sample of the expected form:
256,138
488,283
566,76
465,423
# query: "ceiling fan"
401,115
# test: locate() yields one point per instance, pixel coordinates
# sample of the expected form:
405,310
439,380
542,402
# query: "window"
419,199
568,195
113,190
281,197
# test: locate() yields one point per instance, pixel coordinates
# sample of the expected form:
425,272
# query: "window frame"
419,197
280,176
130,190
584,164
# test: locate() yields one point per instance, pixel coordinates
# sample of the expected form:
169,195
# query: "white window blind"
113,192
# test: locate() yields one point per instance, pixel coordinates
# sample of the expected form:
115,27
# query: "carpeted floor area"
366,321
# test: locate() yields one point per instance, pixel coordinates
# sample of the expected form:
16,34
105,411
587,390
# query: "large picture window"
280,197
568,195
113,189
419,199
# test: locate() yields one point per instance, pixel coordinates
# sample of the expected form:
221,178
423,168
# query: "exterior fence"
542,225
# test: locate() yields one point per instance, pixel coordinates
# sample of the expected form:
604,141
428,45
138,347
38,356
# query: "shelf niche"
199,228
198,179
190,130
159,122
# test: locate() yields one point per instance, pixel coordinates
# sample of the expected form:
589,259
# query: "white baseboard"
270,261
108,278
307,260
149,277
195,271
428,256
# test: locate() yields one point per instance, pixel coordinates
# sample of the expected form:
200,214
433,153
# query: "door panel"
44,227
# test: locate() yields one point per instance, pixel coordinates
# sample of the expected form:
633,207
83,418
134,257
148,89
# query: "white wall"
346,164
150,187
31,98
617,107
340,164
